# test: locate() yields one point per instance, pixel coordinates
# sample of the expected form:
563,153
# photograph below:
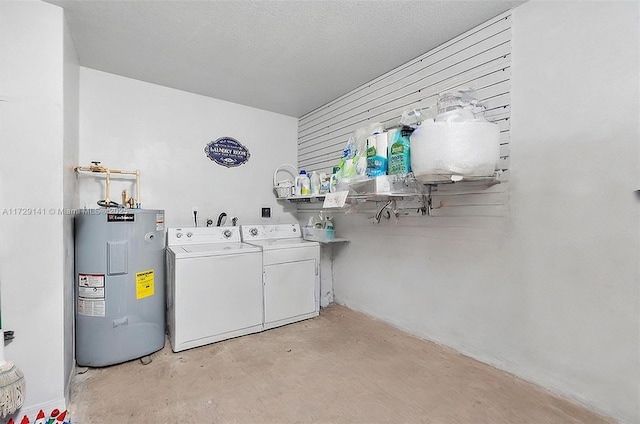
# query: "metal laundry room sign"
227,151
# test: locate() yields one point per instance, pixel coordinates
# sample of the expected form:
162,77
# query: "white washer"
290,272
214,286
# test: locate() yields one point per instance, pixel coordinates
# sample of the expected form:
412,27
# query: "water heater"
120,285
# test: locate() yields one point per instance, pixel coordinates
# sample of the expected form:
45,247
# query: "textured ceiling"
288,57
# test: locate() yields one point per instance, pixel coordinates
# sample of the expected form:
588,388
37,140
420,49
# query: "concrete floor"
341,367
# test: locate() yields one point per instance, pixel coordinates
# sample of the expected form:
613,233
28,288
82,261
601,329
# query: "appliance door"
216,298
290,291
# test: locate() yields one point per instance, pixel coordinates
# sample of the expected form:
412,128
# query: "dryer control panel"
269,232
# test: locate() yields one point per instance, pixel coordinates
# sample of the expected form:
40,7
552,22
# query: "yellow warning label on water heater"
144,284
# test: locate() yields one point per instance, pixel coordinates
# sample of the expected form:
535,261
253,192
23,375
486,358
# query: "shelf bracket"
425,201
378,214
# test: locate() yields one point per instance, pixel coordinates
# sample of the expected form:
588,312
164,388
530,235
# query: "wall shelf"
304,199
333,241
390,187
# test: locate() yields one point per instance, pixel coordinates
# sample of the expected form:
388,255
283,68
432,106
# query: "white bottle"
303,185
315,183
325,183
300,183
333,183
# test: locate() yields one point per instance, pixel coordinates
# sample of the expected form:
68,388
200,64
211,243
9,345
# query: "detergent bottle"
303,184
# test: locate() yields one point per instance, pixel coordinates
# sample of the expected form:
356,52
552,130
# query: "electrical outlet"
266,212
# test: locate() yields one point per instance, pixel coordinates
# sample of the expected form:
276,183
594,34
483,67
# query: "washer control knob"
253,231
189,234
227,233
178,235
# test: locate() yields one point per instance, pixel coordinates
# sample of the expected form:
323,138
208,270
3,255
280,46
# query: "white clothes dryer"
214,286
290,277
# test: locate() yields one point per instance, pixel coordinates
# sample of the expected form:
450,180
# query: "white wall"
70,195
575,213
128,124
32,234
549,293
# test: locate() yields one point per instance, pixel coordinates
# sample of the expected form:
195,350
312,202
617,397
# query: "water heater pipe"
97,168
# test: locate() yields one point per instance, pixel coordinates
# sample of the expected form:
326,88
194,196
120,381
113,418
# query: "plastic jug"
303,184
315,183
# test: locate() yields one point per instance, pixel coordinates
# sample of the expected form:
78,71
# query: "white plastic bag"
440,150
